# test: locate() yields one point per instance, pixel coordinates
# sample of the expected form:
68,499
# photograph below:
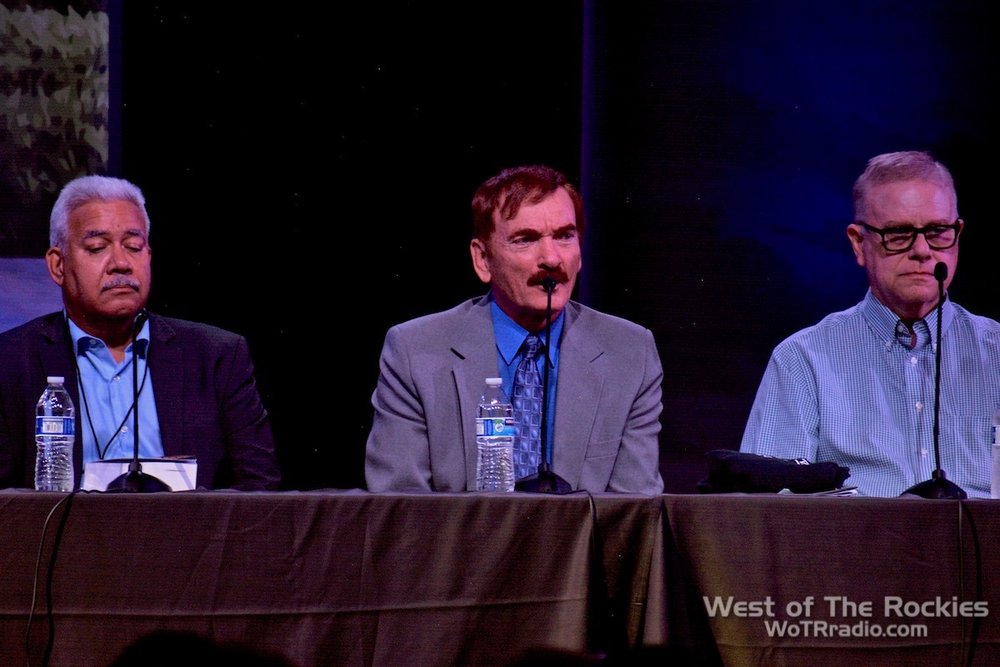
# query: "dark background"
308,175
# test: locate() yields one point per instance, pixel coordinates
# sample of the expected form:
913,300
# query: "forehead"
106,216
915,201
554,211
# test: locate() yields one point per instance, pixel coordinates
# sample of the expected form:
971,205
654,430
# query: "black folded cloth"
730,471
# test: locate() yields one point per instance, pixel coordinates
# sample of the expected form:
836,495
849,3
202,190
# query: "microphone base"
545,481
937,488
136,481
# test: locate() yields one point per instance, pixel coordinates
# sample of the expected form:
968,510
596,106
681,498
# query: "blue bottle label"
500,426
54,425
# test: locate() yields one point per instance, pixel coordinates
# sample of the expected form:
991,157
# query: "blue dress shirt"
106,397
856,389
509,337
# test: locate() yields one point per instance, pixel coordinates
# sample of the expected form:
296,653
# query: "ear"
480,260
54,262
857,238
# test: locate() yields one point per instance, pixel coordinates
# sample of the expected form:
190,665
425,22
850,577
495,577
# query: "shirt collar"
510,335
887,326
82,341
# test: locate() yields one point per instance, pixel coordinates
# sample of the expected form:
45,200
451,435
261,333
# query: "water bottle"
55,424
495,431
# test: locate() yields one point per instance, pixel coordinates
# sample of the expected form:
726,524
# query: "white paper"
179,473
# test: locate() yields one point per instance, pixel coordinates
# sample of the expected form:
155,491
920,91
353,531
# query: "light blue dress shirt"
510,336
106,398
855,389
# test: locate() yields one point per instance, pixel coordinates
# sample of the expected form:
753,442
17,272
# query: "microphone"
940,274
136,481
938,486
545,481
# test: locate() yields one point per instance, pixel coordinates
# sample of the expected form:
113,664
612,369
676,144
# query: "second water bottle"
495,430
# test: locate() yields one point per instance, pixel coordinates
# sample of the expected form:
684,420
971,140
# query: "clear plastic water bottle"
495,431
55,424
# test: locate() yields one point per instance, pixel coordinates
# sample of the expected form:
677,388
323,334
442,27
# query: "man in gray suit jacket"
605,402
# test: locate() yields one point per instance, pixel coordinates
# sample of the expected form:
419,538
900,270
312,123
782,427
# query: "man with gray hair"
196,394
858,388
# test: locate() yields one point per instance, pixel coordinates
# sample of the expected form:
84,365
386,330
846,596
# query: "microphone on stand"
938,486
135,480
545,481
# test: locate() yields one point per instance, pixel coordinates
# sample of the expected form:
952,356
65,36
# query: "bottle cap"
55,379
494,382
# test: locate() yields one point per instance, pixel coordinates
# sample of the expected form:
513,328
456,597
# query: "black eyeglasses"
901,239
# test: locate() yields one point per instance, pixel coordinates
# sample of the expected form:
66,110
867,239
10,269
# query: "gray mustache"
120,281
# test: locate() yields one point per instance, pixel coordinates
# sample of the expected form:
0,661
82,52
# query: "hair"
505,193
896,167
86,189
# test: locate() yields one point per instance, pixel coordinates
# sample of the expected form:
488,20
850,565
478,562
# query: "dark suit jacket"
206,400
432,374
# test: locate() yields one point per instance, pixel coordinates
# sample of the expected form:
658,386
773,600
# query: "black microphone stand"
545,481
938,486
135,480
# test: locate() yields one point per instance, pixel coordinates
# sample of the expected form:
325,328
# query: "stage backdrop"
54,125
54,110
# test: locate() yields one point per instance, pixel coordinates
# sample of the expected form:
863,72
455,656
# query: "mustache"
120,281
559,276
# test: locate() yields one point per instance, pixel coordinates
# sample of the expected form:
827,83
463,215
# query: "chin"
541,304
122,313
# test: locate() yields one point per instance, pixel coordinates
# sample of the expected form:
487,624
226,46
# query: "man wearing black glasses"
858,387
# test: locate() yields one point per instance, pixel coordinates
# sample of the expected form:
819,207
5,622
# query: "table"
820,568
352,578
327,578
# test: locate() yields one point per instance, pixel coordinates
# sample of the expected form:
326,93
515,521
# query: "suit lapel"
475,359
577,397
56,356
166,367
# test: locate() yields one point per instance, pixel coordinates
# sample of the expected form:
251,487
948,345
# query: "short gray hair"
896,167
86,189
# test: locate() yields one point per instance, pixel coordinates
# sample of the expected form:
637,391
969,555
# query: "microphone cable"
50,637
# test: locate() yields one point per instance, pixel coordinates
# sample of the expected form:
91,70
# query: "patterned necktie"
527,402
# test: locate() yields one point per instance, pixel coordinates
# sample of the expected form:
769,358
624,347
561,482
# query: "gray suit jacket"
431,375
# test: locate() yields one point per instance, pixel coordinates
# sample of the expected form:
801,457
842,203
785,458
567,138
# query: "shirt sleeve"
784,419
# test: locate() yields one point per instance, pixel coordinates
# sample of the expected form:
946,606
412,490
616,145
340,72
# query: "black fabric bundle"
730,471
